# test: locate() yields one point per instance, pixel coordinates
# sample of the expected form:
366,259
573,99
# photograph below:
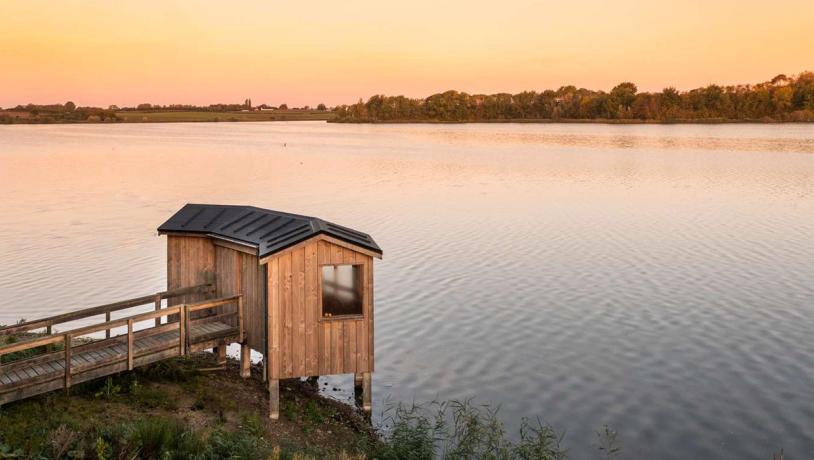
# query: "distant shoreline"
168,116
229,117
597,121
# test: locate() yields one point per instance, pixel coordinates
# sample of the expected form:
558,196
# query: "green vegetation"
149,113
139,116
172,410
781,99
56,113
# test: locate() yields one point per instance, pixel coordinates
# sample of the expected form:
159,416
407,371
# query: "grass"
171,410
277,115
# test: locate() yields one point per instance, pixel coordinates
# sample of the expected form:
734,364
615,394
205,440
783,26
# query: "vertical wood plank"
298,309
287,362
337,347
311,310
336,254
274,328
349,333
240,320
68,340
361,346
130,345
157,307
368,289
182,335
325,348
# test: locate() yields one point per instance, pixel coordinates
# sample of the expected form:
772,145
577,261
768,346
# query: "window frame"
361,316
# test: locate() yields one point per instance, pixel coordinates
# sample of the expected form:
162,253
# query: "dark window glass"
341,290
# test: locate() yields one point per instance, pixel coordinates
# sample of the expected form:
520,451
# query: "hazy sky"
307,52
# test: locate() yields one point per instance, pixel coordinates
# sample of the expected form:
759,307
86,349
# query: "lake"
658,279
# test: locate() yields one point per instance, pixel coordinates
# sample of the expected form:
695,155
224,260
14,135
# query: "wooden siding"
190,261
237,272
301,342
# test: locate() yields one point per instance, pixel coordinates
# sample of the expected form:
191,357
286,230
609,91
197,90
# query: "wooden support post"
129,344
182,334
158,307
107,319
185,319
367,392
265,369
220,351
245,361
358,384
241,332
67,361
274,399
50,347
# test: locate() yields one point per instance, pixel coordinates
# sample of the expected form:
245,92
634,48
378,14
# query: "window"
341,290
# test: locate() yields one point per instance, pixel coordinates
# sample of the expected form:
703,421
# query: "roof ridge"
250,224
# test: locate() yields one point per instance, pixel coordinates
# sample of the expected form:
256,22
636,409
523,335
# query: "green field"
168,117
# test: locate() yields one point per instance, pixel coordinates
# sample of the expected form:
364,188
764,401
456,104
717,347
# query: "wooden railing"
156,298
178,317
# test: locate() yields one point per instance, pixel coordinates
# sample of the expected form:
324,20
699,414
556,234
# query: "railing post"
130,344
186,325
182,323
240,318
68,361
50,347
107,319
158,307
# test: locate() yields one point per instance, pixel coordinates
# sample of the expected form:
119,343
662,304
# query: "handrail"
206,304
39,342
107,325
93,311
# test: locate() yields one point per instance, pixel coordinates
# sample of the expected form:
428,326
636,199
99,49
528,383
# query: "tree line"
56,113
780,99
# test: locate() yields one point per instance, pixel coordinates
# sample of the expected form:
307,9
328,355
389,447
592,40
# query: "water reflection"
656,278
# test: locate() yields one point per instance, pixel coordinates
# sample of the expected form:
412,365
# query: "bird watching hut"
305,284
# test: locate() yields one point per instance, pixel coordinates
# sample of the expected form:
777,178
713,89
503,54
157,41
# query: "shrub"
460,430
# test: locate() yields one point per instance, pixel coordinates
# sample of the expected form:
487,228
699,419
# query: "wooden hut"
307,287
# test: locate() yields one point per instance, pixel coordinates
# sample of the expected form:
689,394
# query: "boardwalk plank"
103,358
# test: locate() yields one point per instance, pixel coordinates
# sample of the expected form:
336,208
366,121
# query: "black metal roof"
269,231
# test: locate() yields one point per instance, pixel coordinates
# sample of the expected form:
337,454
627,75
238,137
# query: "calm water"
659,279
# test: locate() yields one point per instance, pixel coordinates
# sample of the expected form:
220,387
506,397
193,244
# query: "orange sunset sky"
201,52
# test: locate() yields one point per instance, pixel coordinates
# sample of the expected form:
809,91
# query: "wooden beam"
130,345
244,248
67,338
240,318
122,305
157,308
367,391
274,399
212,303
245,361
19,346
220,351
182,323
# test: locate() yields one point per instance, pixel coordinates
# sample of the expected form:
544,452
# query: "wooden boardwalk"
40,363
